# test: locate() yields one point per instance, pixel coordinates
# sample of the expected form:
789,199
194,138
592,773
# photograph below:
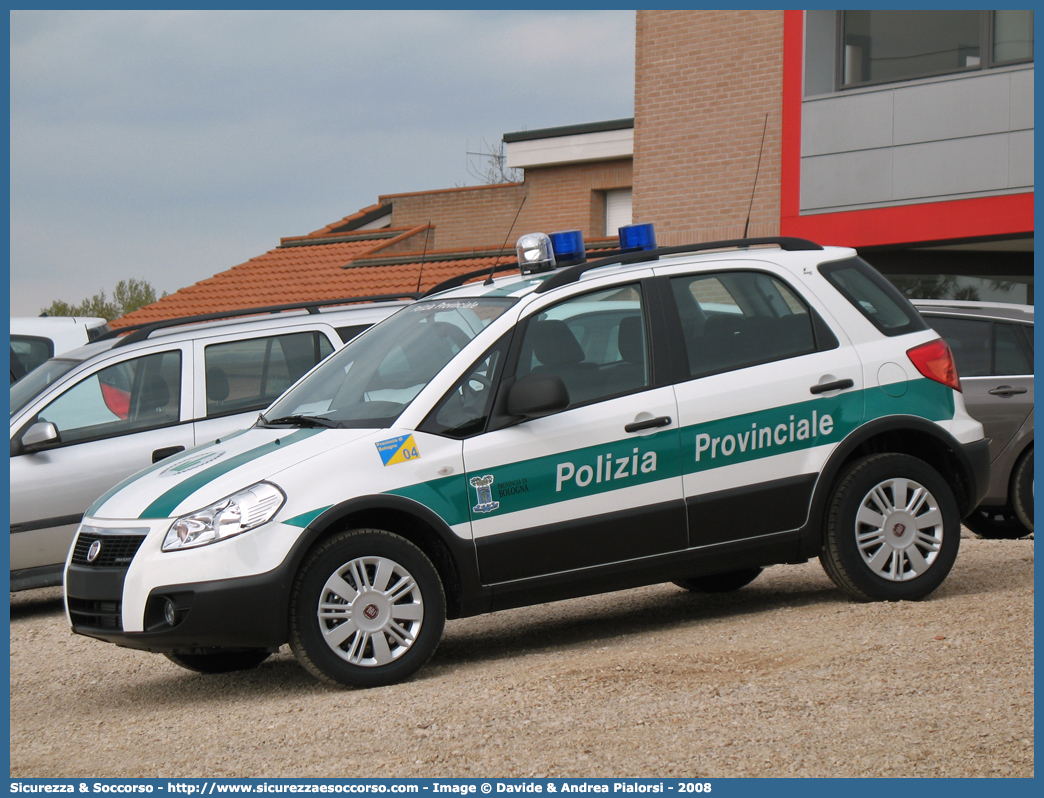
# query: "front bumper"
248,612
240,612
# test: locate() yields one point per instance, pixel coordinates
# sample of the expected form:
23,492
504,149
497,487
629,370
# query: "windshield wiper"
299,421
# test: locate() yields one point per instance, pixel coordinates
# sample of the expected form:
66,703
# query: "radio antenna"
757,172
489,280
424,254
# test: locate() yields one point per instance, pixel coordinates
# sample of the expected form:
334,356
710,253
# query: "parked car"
82,422
664,415
36,339
993,345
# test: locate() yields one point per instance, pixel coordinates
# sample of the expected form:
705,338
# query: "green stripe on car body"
165,504
642,460
305,519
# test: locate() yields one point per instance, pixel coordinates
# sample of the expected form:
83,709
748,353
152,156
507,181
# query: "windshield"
370,381
38,380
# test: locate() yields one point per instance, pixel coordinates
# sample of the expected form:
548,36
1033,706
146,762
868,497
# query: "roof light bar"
637,237
568,246
535,253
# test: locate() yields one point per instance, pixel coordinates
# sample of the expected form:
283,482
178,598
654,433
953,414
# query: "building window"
886,46
617,210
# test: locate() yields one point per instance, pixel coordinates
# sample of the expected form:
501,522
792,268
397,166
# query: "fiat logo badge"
370,611
898,530
94,551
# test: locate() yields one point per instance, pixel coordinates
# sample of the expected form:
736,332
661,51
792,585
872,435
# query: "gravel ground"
783,678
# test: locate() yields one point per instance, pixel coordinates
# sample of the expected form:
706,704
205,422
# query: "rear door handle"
1007,390
163,454
651,423
836,385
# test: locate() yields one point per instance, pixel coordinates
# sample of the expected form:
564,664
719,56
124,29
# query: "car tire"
996,523
219,660
719,583
1022,490
892,529
367,609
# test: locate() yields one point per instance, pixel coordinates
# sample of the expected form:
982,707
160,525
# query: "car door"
995,363
596,482
768,391
112,422
239,376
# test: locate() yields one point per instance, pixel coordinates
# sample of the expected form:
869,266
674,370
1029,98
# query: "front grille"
92,614
116,551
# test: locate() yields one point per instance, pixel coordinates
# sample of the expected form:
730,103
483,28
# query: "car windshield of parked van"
37,380
371,381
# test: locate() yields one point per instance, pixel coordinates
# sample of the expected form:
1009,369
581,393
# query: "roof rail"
142,330
572,273
460,279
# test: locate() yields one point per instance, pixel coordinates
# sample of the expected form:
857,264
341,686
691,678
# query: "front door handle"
836,385
163,454
650,423
1007,390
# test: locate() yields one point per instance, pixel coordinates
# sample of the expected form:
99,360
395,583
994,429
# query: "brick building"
906,134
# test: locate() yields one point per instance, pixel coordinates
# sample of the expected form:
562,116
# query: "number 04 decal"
398,450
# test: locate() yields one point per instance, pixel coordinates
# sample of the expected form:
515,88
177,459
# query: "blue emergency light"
637,237
569,247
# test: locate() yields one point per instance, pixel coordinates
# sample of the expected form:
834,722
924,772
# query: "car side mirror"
39,436
537,395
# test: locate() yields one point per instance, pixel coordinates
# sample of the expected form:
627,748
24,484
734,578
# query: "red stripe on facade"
1009,214
793,83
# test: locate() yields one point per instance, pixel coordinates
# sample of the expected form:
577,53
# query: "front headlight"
226,518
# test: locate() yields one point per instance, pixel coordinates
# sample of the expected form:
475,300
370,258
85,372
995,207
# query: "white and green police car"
690,414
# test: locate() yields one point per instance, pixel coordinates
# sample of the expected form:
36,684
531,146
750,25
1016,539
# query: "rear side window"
1011,352
873,296
250,374
31,351
348,333
732,320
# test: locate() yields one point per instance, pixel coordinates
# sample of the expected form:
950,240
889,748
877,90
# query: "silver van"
82,422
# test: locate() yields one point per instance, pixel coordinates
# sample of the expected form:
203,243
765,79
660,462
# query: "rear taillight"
935,361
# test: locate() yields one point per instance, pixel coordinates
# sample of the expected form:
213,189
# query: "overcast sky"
169,146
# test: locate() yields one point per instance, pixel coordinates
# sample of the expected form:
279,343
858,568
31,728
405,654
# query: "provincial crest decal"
485,494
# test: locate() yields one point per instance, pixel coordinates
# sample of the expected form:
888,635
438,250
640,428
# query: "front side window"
731,320
969,340
369,382
595,343
131,396
249,374
983,348
463,411
882,46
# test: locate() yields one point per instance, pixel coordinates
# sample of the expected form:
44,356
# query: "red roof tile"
302,272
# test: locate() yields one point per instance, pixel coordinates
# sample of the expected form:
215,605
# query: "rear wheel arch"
910,435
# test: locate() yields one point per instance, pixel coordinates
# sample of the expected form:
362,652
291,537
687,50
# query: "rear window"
873,296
